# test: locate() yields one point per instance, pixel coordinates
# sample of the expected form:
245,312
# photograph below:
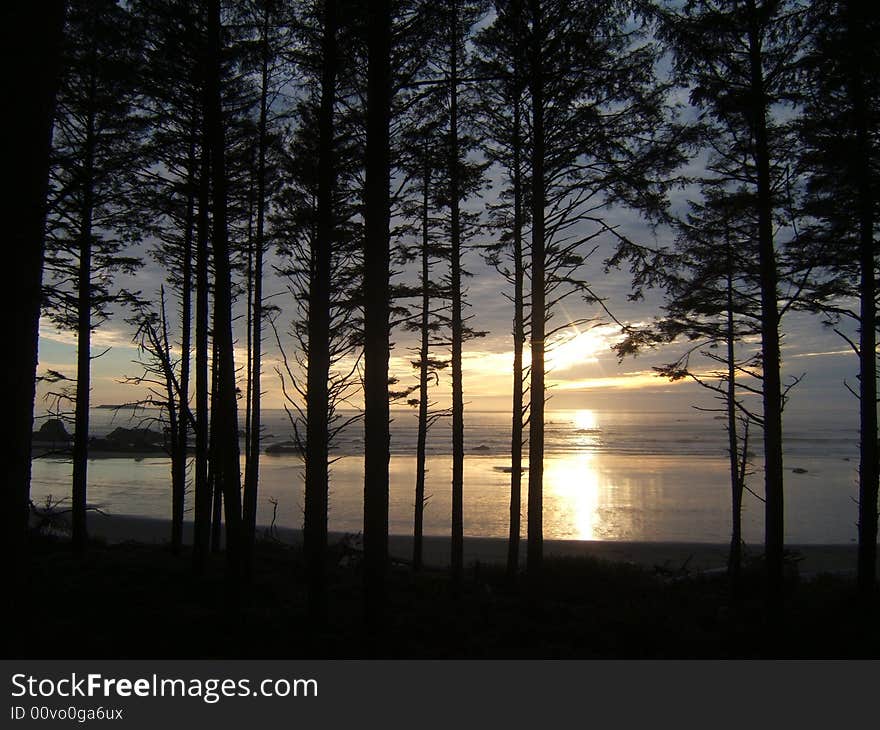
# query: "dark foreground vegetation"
134,600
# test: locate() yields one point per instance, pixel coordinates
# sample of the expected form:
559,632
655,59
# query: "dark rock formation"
52,431
136,440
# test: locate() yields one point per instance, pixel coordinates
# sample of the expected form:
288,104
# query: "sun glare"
585,419
573,347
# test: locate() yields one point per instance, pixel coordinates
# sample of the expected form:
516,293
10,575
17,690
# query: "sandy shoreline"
695,556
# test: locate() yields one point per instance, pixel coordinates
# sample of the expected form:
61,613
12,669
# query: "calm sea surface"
644,476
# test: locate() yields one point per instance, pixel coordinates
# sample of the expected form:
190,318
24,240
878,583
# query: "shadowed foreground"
136,600
692,556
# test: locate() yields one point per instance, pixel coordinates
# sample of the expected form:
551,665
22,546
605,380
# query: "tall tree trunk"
34,35
770,353
868,466
79,496
216,513
457,557
227,408
175,416
202,516
249,339
734,562
516,431
178,480
376,288
535,549
317,389
424,351
215,463
252,464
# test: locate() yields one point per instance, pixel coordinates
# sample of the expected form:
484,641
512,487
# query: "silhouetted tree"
172,88
224,170
32,36
215,466
319,327
502,62
711,281
460,179
266,16
598,134
537,72
161,377
318,236
840,128
163,371
376,306
424,162
741,61
225,412
201,483
92,216
391,48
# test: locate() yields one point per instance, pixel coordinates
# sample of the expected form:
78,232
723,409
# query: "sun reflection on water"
571,487
585,433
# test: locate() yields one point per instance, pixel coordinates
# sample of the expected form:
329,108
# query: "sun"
585,419
573,347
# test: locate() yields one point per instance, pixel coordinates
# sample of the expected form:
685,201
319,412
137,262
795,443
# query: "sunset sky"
584,373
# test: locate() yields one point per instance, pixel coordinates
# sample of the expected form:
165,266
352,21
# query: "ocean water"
623,475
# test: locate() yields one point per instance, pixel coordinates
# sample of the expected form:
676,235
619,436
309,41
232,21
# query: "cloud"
624,381
107,335
827,353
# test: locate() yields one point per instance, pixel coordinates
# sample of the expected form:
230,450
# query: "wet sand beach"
671,556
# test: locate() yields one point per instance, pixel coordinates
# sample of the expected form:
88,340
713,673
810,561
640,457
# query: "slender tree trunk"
175,416
202,517
734,562
178,479
516,431
34,32
216,514
84,335
457,558
227,409
868,466
215,464
249,365
535,550
424,352
252,463
770,352
83,387
317,389
376,288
